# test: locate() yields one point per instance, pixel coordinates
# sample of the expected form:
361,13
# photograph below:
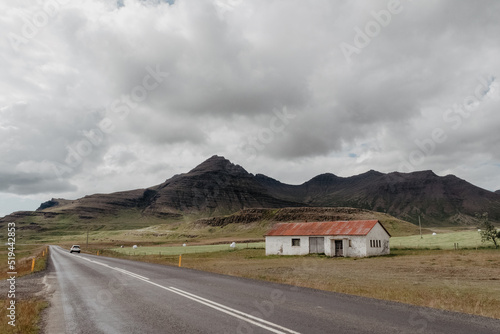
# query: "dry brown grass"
24,258
27,310
27,316
465,281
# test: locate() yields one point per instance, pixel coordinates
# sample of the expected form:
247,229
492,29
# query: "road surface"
97,294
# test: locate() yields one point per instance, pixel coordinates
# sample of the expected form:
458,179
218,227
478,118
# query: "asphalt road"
97,294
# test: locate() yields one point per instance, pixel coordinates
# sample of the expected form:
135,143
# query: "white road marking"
130,273
115,268
236,311
219,307
228,310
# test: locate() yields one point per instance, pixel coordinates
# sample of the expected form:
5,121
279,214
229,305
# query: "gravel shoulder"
36,286
27,287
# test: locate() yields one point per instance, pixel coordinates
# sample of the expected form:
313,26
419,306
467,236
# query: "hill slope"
218,187
396,227
439,200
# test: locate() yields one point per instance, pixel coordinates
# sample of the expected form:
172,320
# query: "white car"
75,248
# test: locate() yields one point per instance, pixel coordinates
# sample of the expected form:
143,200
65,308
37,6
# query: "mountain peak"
218,163
371,172
323,178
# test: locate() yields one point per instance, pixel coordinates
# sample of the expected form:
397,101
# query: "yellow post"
33,264
97,253
180,260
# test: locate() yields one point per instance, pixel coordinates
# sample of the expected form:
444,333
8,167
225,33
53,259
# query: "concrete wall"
378,233
359,245
283,246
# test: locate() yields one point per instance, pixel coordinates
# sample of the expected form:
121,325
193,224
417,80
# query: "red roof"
352,227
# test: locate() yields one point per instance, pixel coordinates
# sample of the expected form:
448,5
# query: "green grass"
179,250
133,226
466,239
159,234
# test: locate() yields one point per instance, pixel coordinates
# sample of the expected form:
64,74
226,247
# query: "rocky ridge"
218,187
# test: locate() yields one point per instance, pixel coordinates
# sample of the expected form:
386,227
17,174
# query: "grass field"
165,234
181,250
442,240
131,227
426,272
463,280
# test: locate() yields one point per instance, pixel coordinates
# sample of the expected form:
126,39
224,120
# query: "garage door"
316,245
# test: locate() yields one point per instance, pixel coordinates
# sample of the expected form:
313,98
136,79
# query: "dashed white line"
272,327
130,273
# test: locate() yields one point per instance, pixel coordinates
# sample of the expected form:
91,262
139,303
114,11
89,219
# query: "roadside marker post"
180,260
33,264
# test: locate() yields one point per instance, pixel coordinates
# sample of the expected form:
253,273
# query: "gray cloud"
78,91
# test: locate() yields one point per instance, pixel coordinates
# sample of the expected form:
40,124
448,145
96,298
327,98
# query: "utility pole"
420,226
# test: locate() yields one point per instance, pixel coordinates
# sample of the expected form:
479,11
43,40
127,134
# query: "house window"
296,242
375,243
350,243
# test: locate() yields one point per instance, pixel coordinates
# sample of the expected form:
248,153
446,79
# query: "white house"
356,238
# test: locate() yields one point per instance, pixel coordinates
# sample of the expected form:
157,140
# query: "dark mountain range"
215,187
218,187
438,200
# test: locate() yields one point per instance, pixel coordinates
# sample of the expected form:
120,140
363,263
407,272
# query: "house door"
316,245
339,248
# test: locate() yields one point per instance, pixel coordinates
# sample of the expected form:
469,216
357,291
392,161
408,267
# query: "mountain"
497,192
214,187
219,187
438,200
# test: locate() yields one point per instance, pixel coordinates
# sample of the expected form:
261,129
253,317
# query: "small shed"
355,238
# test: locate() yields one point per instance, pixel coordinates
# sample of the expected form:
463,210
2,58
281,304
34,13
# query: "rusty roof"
352,227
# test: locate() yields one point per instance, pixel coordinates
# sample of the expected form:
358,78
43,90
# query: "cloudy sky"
103,96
